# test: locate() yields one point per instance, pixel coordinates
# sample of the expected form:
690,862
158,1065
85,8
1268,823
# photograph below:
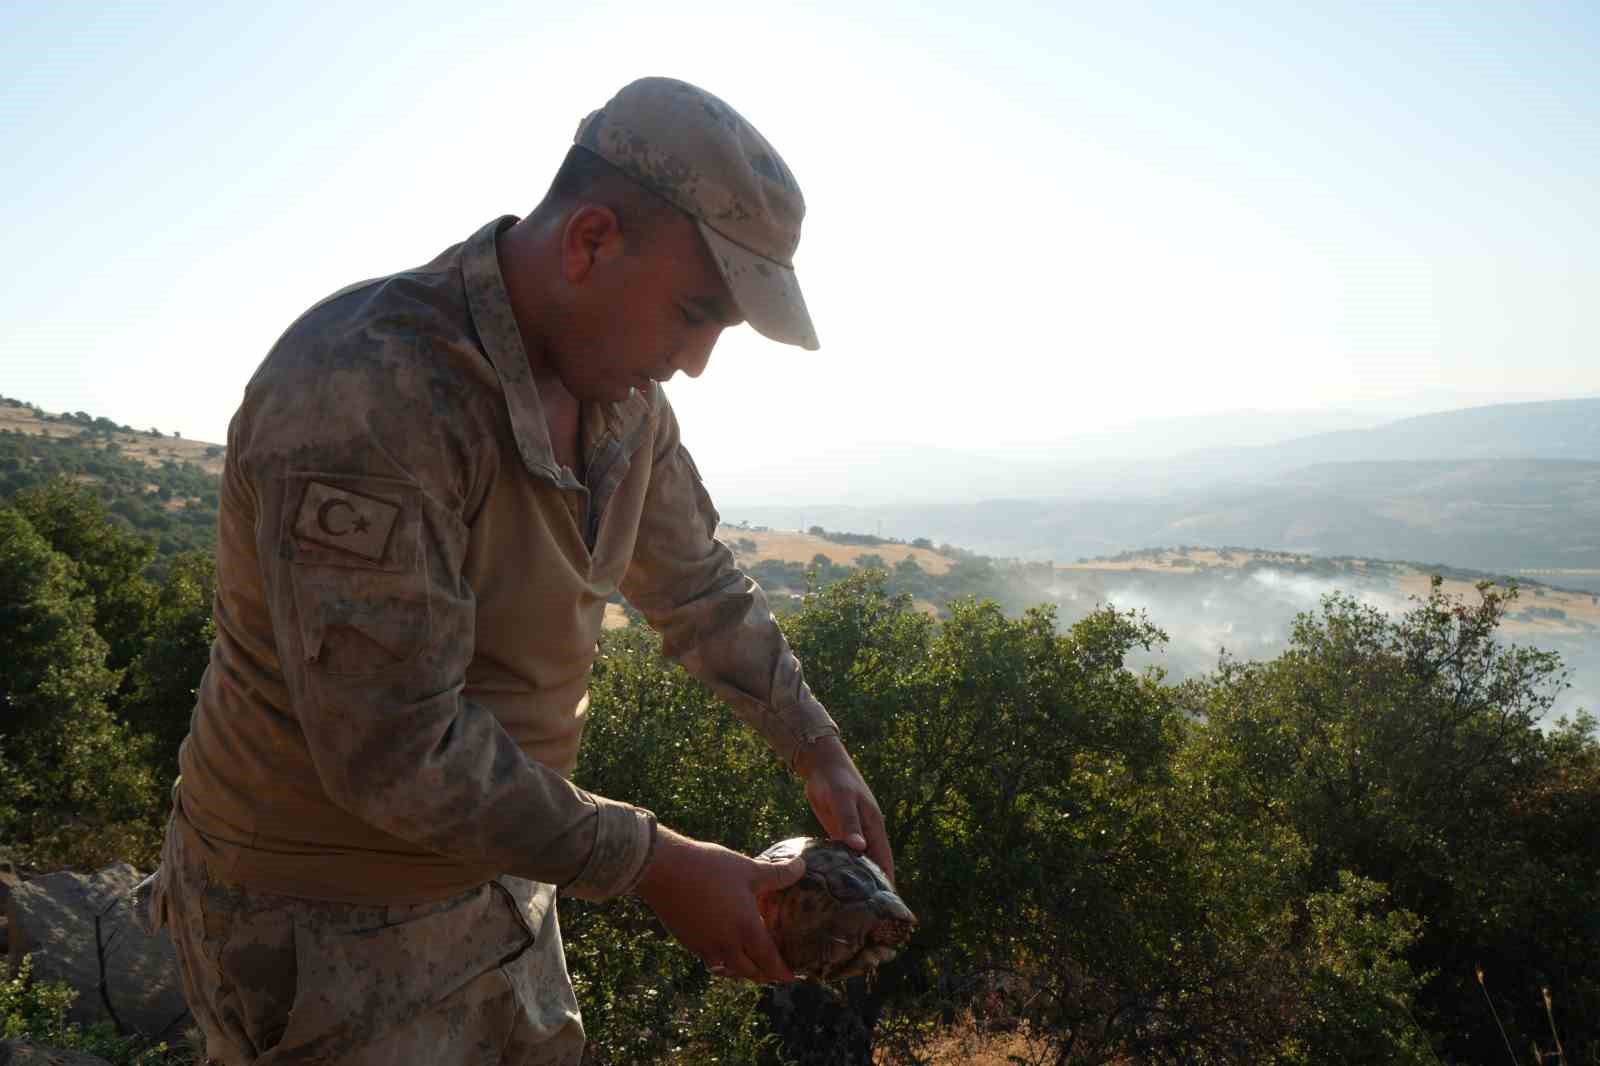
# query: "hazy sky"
1024,220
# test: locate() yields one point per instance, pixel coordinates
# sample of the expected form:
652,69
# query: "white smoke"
1249,614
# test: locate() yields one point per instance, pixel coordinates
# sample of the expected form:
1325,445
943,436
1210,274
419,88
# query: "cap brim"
768,294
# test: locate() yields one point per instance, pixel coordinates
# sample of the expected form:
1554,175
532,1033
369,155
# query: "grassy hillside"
165,487
1502,515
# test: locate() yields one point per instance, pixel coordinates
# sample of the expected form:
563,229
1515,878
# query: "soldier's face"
657,307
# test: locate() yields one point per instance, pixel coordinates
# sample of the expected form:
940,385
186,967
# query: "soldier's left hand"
842,801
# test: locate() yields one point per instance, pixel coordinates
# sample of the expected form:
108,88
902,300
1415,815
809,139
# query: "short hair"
584,177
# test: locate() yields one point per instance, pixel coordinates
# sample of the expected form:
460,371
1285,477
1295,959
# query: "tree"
160,694
1410,752
110,559
74,785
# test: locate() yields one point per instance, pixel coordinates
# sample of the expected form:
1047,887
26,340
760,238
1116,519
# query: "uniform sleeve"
364,476
712,617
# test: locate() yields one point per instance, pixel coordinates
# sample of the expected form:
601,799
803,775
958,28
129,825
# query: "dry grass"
803,547
1580,608
616,617
152,451
1175,562
968,1044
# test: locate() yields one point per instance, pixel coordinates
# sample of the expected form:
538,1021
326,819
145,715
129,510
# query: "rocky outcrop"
10,878
80,930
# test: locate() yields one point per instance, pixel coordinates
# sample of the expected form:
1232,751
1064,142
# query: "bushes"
1299,861
76,785
37,1013
1411,752
1254,868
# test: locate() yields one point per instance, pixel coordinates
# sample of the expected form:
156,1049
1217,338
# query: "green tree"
110,559
162,681
74,784
1410,752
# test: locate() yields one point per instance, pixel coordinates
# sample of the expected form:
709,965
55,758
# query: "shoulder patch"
345,521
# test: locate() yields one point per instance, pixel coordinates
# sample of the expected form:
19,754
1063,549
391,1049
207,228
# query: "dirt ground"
803,547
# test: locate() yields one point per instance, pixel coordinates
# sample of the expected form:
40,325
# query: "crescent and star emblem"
326,515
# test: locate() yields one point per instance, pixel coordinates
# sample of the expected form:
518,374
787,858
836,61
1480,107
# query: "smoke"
1249,615
1305,592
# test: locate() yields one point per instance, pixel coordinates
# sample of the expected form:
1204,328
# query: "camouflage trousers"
271,980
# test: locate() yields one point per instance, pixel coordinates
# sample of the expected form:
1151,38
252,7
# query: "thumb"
771,876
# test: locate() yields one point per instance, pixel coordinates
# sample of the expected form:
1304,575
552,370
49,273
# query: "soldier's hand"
842,801
706,896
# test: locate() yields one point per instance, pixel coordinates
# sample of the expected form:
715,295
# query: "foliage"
1137,871
110,557
76,786
1359,987
667,744
172,507
37,1012
1302,860
1410,752
159,694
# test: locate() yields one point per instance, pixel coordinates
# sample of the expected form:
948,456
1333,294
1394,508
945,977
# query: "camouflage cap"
703,157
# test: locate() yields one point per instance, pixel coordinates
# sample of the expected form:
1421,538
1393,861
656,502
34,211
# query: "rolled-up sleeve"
713,618
361,487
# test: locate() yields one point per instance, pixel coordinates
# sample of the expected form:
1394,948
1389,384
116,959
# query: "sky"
1025,221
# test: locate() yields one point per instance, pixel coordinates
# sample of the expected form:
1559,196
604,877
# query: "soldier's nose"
693,362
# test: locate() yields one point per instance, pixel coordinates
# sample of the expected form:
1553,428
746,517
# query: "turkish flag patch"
345,521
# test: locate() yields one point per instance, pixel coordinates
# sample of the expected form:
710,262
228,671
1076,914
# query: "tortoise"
841,919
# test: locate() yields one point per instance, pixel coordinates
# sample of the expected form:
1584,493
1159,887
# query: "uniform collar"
502,341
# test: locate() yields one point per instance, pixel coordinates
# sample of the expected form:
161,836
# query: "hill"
1157,458
163,486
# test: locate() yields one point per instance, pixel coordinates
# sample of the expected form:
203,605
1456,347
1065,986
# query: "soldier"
434,482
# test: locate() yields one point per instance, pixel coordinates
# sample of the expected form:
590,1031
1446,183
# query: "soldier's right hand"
707,896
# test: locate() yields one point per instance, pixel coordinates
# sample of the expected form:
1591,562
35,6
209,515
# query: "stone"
80,930
10,878
22,1053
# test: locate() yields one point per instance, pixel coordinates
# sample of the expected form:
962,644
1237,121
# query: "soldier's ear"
591,237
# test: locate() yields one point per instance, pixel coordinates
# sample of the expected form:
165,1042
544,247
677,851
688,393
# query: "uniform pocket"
432,975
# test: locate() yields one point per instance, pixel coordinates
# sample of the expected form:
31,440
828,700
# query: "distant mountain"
1161,437
1501,488
1498,515
1557,429
1159,458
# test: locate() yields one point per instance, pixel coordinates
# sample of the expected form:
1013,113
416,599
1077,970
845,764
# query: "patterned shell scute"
842,918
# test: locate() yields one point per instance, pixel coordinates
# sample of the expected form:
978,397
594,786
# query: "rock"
80,928
9,878
20,1053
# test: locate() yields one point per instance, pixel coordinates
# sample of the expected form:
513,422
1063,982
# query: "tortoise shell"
842,918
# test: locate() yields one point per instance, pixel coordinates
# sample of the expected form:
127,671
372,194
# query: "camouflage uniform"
375,803
475,978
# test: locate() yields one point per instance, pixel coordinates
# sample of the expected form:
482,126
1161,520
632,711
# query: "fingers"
766,965
847,823
759,950
877,843
755,959
748,951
